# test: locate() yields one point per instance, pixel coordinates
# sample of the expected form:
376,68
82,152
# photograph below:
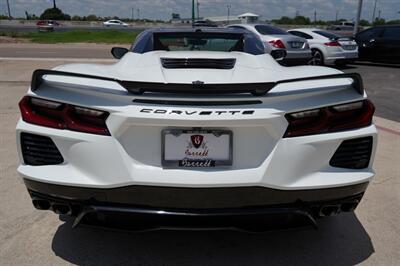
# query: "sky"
162,9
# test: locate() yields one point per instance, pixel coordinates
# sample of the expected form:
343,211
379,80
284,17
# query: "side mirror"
118,52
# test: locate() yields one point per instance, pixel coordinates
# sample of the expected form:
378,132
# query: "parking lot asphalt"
370,236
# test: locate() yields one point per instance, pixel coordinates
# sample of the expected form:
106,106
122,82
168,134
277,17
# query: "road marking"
395,132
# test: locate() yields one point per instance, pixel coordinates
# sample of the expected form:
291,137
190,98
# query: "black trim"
197,87
193,198
196,103
206,63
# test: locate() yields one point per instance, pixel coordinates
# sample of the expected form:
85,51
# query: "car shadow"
364,63
340,240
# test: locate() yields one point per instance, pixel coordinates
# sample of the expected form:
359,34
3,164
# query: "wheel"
317,58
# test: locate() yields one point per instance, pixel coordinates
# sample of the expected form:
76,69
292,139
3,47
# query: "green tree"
91,17
379,21
364,23
54,14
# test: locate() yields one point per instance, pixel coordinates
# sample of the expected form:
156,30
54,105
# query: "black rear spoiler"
196,87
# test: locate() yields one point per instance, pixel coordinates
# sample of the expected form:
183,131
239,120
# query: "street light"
8,7
229,6
358,17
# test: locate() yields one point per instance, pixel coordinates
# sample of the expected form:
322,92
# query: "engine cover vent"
173,63
353,154
39,150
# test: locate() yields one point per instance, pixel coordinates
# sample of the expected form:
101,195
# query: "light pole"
373,13
198,10
8,7
229,6
337,15
132,13
358,17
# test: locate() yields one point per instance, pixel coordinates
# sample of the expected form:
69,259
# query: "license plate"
296,44
196,148
349,47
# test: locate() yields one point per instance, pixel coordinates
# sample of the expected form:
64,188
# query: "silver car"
297,49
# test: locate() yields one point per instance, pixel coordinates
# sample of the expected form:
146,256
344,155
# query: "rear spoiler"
196,87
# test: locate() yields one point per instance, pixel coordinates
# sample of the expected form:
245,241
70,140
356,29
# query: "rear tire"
317,58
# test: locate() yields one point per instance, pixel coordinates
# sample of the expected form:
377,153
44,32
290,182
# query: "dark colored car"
380,44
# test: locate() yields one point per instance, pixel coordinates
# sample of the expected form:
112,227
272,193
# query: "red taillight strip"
63,116
329,120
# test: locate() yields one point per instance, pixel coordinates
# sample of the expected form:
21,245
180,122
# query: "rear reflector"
330,119
63,116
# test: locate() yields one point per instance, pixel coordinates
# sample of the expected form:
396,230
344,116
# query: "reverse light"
330,119
63,116
277,44
332,43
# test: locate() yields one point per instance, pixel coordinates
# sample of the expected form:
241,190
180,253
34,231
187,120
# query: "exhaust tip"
41,204
61,208
329,210
349,206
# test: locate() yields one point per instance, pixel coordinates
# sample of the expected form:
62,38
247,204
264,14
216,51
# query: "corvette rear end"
187,138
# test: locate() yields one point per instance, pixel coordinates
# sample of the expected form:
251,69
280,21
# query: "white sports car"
195,127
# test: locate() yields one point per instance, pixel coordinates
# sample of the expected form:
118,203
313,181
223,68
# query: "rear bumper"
154,207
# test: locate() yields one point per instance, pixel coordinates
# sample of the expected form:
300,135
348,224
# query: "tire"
317,58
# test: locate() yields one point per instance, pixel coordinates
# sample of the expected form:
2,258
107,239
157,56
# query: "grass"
76,36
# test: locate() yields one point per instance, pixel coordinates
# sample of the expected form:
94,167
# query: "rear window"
268,30
192,41
326,34
392,33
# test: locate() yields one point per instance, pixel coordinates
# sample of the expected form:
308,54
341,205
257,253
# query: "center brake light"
277,44
63,116
330,119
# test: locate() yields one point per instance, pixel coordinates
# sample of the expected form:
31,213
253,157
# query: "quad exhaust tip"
41,204
61,208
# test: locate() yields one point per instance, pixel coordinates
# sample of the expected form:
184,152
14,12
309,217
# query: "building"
248,18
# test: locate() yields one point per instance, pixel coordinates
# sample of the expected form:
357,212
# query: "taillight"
63,116
277,44
330,119
332,43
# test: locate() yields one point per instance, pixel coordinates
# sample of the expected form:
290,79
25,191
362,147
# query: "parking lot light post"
356,25
8,7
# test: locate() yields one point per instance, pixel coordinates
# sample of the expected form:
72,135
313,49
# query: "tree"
364,23
176,16
91,17
379,21
54,14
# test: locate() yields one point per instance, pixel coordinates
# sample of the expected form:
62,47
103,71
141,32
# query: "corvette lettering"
185,112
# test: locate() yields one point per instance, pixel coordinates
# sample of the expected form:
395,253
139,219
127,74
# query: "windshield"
268,30
326,34
192,41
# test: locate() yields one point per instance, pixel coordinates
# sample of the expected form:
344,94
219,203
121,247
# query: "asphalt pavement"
370,236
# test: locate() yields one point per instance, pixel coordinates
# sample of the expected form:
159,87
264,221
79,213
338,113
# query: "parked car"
343,25
195,127
47,25
328,48
297,49
380,44
115,22
204,23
